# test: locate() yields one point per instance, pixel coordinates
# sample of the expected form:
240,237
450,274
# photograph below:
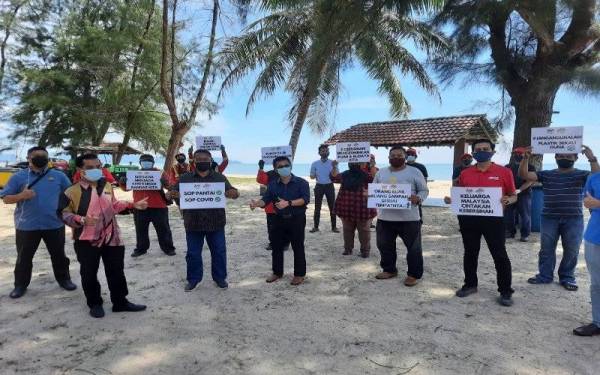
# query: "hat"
465,156
519,150
411,151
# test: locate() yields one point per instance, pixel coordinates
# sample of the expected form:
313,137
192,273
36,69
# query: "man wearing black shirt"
522,210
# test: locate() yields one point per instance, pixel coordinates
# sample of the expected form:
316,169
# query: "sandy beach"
341,321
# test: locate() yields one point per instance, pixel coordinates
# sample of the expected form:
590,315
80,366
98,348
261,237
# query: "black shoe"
314,230
269,247
524,239
570,287
67,285
169,253
136,253
534,280
18,292
130,307
509,235
587,330
335,230
190,286
97,311
222,284
505,300
466,291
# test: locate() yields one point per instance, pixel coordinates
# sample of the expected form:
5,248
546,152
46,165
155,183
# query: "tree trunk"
533,109
299,123
122,147
175,140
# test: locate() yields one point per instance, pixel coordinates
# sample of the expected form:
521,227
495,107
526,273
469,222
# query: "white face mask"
411,158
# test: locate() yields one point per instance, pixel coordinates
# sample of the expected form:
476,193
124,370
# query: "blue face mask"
146,164
285,171
483,156
93,175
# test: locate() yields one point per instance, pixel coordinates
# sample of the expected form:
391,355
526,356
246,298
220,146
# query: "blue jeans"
218,256
592,259
570,231
522,211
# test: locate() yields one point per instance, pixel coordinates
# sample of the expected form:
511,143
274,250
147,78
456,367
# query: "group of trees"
72,71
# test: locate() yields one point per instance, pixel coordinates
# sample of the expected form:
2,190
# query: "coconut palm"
303,46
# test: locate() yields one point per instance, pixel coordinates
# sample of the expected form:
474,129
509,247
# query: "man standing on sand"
264,178
206,223
562,215
90,208
486,174
465,162
290,195
405,224
522,209
321,171
36,191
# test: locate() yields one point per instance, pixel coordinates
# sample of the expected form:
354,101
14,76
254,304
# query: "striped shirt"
563,192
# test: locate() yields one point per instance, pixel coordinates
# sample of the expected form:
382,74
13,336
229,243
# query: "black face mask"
203,166
467,162
39,161
518,159
181,160
565,163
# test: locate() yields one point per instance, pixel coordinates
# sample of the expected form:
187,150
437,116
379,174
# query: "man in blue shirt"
321,171
592,254
562,215
36,192
290,195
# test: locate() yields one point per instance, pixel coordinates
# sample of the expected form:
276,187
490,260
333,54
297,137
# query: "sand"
341,321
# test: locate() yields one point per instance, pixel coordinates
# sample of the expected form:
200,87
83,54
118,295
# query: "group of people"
46,201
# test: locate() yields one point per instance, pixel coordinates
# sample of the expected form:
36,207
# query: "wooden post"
460,148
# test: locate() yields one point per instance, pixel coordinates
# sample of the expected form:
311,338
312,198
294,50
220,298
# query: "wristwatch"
290,203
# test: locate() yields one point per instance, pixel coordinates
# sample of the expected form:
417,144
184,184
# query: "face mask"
147,164
565,163
397,162
518,158
39,161
181,160
467,162
483,156
93,175
203,166
411,158
285,171
325,155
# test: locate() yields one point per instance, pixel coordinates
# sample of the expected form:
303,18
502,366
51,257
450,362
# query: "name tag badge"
495,178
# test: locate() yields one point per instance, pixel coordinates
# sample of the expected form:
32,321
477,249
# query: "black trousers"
410,233
472,229
270,220
159,217
113,258
327,190
28,241
290,230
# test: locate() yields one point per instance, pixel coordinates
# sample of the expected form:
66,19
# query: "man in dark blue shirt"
36,192
290,195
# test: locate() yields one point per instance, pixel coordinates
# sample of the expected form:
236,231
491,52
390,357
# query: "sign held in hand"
477,201
389,196
199,195
270,153
208,143
566,140
353,152
143,180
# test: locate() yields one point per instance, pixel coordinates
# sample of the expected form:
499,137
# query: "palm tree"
303,46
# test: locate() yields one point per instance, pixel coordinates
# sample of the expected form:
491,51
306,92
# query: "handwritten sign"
270,153
143,180
565,140
353,152
208,143
200,195
389,196
477,201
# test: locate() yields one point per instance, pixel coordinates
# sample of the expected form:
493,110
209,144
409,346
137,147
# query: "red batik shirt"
353,204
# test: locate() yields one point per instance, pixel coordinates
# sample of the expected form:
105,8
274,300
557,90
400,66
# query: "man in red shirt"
157,213
486,174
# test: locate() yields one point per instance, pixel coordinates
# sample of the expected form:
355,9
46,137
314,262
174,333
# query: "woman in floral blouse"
351,205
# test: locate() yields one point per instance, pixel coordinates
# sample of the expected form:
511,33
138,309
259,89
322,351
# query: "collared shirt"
592,233
322,171
296,188
494,176
206,219
563,192
39,212
407,175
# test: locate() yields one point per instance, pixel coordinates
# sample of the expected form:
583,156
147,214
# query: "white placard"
477,201
198,195
270,153
208,143
566,140
143,180
353,152
389,196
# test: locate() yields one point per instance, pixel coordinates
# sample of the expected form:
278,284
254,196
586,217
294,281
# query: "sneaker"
190,286
466,291
386,275
314,230
97,311
505,300
587,330
136,253
222,284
